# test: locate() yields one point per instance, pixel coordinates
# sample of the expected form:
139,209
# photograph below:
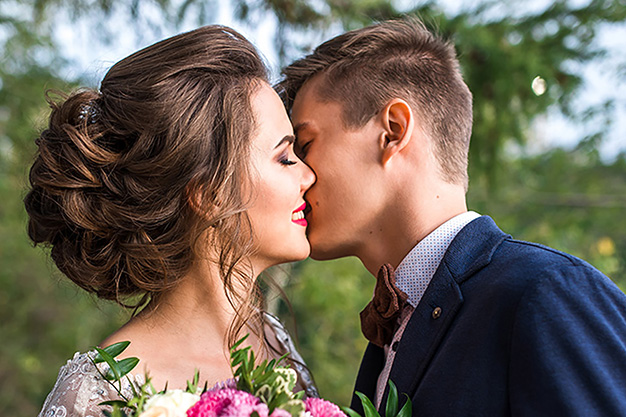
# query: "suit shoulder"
535,255
533,268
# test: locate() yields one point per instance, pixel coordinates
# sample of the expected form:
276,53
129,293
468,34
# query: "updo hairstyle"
126,180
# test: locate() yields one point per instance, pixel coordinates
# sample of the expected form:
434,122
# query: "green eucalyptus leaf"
368,407
350,412
238,357
238,343
192,387
113,350
244,384
126,365
262,379
392,401
119,403
117,409
114,372
279,399
282,358
407,410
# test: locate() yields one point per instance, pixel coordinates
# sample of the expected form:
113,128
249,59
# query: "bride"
169,191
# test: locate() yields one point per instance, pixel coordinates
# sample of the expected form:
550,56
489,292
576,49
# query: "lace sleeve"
79,389
306,380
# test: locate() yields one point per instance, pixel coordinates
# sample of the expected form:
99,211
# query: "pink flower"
322,408
227,402
279,412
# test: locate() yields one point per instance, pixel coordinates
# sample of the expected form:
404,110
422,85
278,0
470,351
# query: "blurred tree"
326,297
502,51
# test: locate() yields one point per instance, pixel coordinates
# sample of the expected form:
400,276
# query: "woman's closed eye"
288,156
284,159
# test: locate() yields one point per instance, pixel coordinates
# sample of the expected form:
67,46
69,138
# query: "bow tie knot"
380,316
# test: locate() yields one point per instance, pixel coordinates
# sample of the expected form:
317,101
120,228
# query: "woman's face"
279,182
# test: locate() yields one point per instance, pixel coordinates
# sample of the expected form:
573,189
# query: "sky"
90,60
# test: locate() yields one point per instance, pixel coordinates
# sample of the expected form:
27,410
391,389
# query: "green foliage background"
570,199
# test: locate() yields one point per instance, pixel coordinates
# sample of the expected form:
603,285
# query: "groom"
472,322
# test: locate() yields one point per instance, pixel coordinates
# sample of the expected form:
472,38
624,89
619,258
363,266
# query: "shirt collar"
417,268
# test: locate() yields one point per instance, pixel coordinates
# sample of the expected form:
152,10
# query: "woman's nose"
308,177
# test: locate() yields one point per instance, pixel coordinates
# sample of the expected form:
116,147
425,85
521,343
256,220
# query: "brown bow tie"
379,318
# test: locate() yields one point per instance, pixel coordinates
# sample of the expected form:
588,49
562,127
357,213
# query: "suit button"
394,347
436,313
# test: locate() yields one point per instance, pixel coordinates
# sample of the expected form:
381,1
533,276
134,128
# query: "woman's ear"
398,124
196,198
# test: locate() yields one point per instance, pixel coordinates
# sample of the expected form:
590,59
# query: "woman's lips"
298,216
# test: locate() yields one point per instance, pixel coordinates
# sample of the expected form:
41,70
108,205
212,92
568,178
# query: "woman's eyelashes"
284,159
287,161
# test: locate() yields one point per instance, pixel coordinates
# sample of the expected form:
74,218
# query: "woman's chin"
298,254
295,254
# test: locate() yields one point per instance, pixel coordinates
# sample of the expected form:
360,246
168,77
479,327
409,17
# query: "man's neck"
402,230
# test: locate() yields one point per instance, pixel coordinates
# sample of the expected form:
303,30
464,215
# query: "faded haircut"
364,69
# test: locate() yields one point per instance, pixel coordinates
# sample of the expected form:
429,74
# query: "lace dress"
79,388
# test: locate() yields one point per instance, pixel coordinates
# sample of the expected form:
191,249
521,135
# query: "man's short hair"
364,69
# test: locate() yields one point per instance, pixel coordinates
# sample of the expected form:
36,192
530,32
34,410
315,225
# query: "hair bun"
67,191
112,180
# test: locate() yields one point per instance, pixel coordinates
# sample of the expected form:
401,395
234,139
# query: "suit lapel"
371,366
470,251
424,332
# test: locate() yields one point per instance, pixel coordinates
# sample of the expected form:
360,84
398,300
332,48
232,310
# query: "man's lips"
298,216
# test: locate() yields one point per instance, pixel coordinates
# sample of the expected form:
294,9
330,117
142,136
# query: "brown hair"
365,68
127,180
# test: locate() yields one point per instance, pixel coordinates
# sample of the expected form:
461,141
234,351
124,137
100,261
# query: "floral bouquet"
263,390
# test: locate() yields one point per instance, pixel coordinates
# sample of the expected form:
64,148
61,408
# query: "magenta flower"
322,408
227,402
279,412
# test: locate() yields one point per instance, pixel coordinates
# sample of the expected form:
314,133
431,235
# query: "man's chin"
325,253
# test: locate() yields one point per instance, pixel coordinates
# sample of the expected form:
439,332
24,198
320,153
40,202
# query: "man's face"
345,199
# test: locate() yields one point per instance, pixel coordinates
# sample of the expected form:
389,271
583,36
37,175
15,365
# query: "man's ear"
398,124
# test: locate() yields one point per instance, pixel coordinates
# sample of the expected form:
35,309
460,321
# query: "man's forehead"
309,94
299,127
308,127
305,108
309,102
315,116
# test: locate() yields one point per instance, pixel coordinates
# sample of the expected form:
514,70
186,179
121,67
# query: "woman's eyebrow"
289,139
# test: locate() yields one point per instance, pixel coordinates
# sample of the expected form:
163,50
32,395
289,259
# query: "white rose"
174,403
157,412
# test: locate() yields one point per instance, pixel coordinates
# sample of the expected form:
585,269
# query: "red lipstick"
298,216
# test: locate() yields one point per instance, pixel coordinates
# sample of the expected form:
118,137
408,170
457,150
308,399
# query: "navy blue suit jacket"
524,330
